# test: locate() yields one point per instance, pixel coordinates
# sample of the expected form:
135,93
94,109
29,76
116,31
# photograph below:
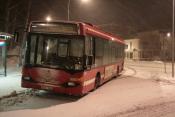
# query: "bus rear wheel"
118,71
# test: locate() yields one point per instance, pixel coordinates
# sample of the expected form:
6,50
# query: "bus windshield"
55,51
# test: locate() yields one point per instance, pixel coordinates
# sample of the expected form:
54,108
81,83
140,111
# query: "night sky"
132,15
123,17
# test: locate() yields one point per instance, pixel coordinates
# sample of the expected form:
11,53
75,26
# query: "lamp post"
173,47
165,44
68,10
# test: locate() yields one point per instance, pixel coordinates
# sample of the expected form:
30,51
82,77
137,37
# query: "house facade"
147,46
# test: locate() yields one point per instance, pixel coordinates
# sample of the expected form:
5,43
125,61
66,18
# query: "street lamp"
85,1
168,34
48,18
68,7
165,48
173,46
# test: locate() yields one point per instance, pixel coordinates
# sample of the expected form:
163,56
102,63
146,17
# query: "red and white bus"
70,57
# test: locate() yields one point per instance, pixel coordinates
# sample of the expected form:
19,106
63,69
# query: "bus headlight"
26,78
71,84
77,66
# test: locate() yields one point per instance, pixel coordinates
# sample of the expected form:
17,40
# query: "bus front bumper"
78,90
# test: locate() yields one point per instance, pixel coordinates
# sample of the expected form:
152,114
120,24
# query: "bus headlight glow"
26,78
77,66
71,84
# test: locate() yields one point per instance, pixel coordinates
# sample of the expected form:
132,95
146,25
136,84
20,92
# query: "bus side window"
99,51
33,49
89,46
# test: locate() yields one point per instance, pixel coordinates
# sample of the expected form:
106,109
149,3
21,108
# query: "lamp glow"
48,18
168,34
85,1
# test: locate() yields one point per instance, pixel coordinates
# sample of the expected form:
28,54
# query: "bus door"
89,52
3,54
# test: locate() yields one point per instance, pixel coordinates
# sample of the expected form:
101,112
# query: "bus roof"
94,30
90,29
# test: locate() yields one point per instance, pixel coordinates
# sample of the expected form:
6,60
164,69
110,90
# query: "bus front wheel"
97,80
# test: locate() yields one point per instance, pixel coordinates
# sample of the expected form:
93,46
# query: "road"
138,92
159,110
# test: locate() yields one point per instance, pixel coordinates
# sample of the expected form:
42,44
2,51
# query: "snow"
142,83
11,83
104,101
151,70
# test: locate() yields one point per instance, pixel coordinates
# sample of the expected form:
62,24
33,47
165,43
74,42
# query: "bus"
70,57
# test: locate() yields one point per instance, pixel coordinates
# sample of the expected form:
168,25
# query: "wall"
147,46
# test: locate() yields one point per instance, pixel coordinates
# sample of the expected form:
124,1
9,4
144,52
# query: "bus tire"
97,80
118,71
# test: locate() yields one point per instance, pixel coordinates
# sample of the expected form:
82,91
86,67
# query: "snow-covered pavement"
11,83
140,85
151,70
159,110
115,96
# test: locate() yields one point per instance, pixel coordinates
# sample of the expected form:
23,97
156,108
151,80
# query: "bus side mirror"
16,36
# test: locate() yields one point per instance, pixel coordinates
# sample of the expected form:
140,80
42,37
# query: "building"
147,46
132,49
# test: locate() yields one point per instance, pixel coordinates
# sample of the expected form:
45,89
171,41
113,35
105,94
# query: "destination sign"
63,28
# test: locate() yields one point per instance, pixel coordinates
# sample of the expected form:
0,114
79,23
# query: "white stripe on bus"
88,82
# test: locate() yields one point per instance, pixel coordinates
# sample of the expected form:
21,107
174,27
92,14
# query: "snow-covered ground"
159,110
151,70
11,83
142,84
